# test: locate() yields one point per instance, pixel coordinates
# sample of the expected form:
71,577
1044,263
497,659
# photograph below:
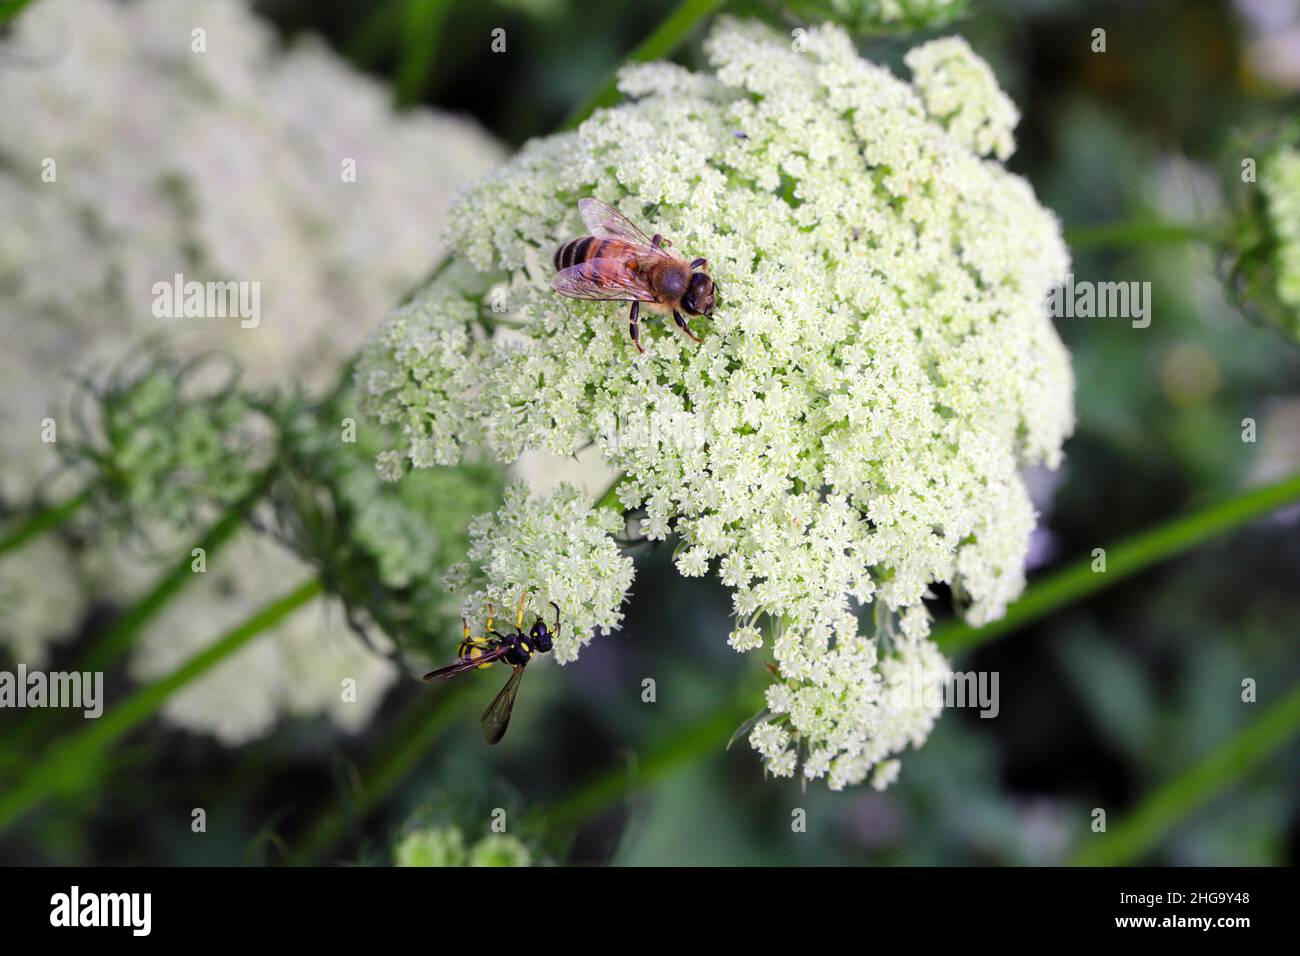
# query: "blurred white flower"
43,600
445,846
223,165
882,15
878,372
299,671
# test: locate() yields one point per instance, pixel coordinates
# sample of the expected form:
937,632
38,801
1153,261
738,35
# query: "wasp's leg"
681,324
557,620
492,616
700,263
633,328
519,612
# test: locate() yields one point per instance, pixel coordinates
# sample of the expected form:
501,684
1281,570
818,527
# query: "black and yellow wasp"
515,649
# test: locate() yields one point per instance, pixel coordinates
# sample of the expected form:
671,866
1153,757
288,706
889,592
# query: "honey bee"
618,263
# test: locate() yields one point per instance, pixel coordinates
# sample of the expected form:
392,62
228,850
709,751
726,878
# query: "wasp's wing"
602,280
466,664
497,716
606,222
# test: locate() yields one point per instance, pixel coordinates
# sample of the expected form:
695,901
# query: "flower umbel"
878,371
555,548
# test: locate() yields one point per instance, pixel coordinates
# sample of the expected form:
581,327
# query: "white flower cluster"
894,697
877,373
225,164
961,92
551,548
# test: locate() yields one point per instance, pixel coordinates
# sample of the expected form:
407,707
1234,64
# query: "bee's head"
699,295
539,636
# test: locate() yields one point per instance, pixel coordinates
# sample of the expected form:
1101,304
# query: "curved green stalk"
11,8
119,637
1141,831
1137,232
49,517
610,498
421,33
674,751
408,742
64,766
113,644
659,44
1129,556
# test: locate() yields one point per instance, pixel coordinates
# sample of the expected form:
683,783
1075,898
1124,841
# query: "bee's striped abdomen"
578,250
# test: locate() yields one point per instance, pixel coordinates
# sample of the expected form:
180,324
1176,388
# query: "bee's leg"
700,264
633,328
681,324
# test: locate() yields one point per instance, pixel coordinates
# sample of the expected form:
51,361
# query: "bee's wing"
466,664
497,716
602,280
606,222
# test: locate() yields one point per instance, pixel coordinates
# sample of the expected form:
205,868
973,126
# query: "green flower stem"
1133,554
610,498
11,8
64,766
41,521
124,630
1138,232
659,44
408,743
421,33
676,750
117,640
1140,832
